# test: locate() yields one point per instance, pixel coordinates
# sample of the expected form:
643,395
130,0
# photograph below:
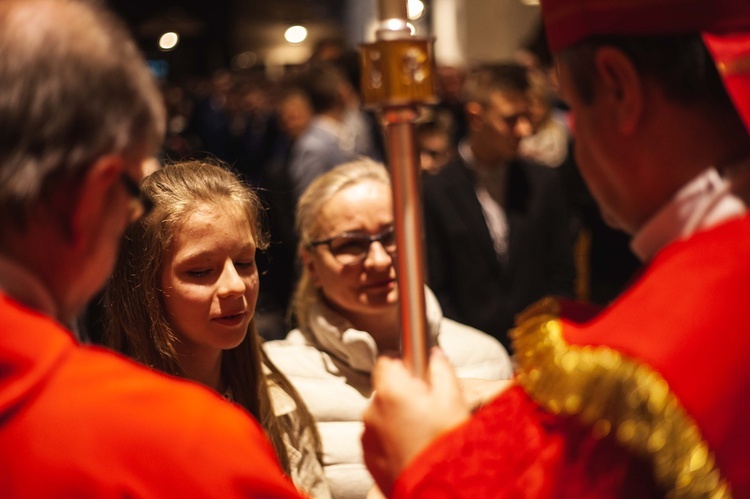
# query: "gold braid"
614,394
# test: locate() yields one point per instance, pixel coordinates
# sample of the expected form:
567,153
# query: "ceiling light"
169,40
295,34
415,9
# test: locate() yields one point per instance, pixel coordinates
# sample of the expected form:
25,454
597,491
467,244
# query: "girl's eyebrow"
206,254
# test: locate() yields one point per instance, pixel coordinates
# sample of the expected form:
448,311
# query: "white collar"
335,334
329,124
704,202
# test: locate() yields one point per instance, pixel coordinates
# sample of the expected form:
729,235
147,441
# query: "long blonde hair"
308,223
137,322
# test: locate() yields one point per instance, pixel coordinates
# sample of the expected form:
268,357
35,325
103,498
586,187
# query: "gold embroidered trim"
613,394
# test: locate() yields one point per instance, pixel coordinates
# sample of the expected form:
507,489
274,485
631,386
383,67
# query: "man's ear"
93,196
474,115
620,81
309,263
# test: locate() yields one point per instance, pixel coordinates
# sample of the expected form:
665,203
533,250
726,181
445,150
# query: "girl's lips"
231,319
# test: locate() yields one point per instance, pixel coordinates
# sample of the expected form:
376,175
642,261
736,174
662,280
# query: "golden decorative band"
613,394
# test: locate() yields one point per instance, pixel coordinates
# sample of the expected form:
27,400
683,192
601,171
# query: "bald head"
73,88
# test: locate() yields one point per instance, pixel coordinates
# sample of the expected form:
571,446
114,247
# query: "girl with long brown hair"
182,297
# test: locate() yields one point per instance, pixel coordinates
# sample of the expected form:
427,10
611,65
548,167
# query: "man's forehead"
563,79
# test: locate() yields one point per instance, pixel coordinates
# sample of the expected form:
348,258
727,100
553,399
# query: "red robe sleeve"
514,448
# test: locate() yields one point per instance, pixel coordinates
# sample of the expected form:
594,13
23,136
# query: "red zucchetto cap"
723,24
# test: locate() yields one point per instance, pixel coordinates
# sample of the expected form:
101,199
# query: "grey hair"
73,88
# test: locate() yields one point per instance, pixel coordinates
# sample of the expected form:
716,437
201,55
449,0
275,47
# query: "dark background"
213,31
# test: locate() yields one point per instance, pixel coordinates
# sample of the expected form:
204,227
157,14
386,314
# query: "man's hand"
407,413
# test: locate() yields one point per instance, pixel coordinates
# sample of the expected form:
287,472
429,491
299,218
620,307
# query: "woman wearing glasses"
346,307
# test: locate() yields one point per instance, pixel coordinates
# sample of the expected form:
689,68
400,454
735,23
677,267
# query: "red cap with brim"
723,24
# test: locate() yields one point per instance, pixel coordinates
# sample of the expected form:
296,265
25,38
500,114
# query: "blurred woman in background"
346,307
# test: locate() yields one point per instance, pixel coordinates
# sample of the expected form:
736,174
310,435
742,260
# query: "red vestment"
647,397
77,421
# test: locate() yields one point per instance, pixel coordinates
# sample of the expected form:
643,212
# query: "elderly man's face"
97,249
596,151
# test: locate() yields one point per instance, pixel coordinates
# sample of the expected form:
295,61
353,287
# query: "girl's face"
210,281
364,288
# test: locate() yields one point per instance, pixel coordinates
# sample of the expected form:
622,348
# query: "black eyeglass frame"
357,235
134,190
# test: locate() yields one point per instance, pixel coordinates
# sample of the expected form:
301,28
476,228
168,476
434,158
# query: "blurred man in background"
497,228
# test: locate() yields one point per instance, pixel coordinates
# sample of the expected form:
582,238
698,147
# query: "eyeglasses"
352,249
140,205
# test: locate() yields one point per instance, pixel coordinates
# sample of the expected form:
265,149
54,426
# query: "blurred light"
415,9
530,2
394,24
295,34
245,60
169,40
412,29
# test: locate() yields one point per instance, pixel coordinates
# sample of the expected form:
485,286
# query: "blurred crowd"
247,339
281,134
